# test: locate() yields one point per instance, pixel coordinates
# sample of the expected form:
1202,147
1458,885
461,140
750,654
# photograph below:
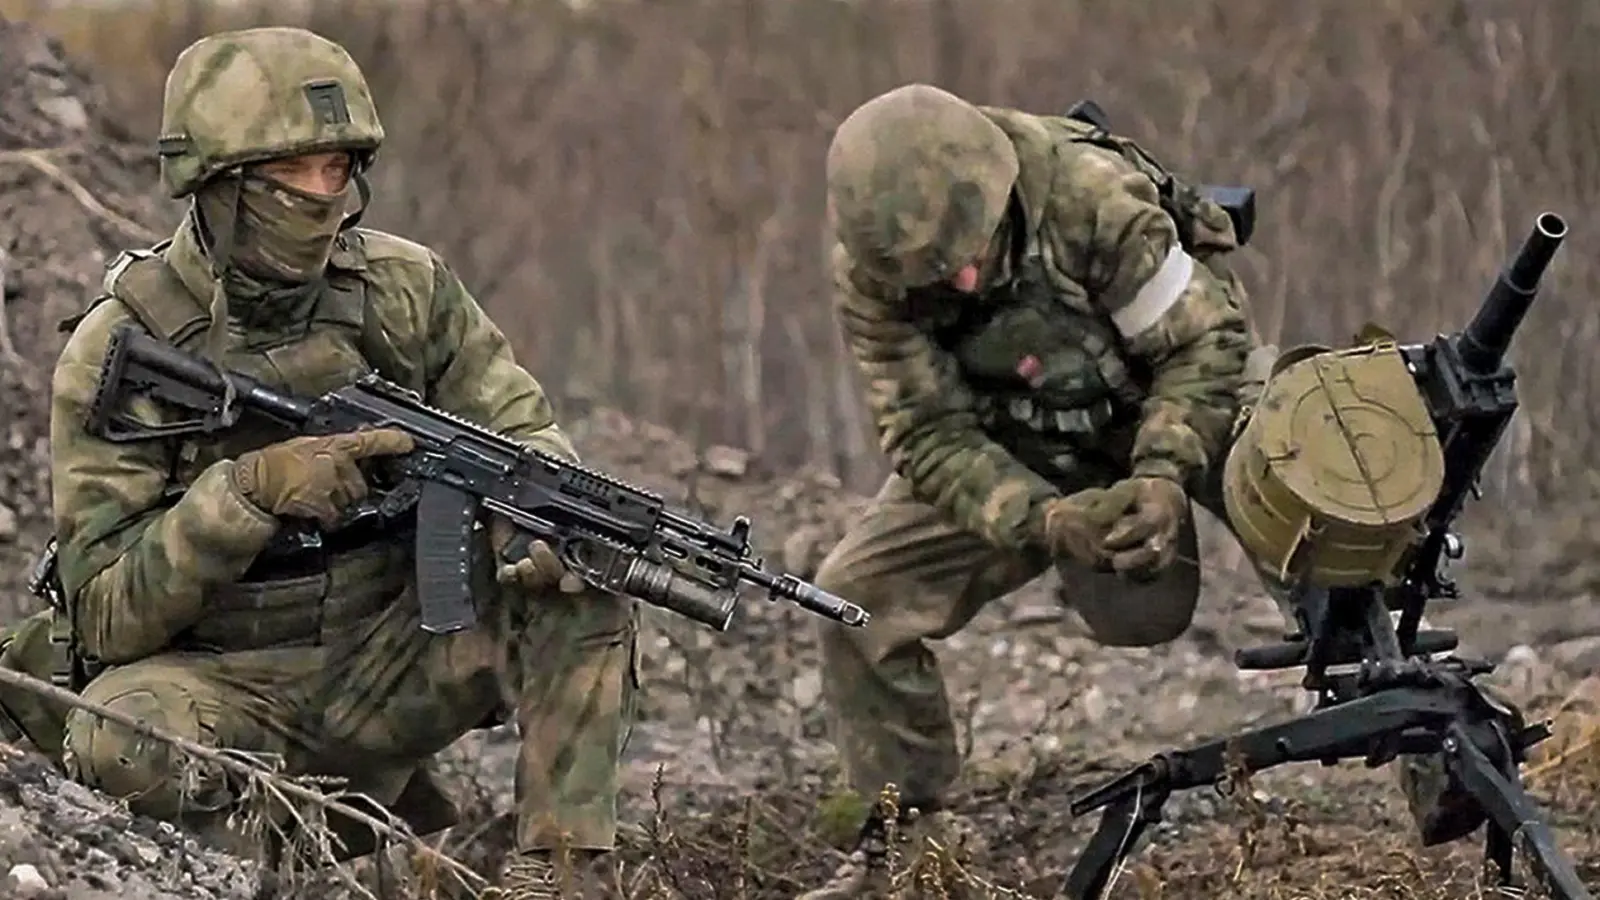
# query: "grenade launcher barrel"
1488,335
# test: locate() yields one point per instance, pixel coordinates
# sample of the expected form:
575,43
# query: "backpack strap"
143,282
158,298
1202,213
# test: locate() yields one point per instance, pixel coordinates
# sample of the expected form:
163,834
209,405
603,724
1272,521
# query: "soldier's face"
314,173
965,279
970,278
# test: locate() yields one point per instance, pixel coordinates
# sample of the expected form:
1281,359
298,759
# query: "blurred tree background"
633,187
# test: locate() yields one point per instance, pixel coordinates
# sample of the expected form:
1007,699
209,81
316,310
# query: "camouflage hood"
238,98
918,182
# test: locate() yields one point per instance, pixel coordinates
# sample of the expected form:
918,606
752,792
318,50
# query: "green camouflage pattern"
281,235
1059,374
25,646
180,597
1092,233
244,96
923,578
370,706
914,209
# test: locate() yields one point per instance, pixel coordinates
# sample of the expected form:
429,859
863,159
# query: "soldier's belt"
301,552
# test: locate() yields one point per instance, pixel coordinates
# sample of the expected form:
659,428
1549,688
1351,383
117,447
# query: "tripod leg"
1499,849
1513,813
1121,826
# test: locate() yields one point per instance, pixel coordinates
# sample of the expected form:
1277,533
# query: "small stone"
807,688
1094,703
729,462
1521,655
25,881
1038,614
68,112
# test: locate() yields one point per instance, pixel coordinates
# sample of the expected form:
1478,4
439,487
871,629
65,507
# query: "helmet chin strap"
364,191
221,257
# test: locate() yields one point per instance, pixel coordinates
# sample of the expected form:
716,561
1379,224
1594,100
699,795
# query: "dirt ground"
731,783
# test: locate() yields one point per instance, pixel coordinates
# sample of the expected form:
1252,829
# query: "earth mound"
74,190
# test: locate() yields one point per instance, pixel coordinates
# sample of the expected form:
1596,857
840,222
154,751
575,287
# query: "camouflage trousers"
923,579
372,709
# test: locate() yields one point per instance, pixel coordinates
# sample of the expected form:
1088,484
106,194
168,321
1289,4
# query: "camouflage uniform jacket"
1100,348
155,541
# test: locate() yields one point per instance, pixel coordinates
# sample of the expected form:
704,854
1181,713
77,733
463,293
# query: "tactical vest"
1053,381
306,588
1203,223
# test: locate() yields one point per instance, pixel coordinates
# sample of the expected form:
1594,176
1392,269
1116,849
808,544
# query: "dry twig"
39,160
262,778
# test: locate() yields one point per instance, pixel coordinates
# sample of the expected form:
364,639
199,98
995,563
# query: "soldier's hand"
1075,526
1144,539
314,477
536,571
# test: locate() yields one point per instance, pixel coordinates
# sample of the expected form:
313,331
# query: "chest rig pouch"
1051,383
307,586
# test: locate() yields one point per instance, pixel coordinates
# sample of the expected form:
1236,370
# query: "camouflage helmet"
239,97
918,181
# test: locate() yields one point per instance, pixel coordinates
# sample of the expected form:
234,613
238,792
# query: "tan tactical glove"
1130,527
539,571
314,477
1144,539
1075,526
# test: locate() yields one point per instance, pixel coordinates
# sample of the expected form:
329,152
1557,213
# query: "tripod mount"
1389,705
1393,693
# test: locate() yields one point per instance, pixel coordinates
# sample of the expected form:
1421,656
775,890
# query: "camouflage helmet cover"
238,97
918,180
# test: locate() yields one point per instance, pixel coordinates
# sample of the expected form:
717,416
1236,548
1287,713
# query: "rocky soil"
730,779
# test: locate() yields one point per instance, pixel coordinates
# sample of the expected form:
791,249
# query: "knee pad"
154,778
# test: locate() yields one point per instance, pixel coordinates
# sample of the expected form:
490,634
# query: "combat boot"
870,872
526,875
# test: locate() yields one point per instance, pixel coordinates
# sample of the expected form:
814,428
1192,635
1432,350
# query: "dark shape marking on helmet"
327,102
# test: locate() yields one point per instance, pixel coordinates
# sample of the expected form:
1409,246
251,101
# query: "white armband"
1157,295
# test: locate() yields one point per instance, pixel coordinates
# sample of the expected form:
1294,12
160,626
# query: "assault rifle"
616,537
1401,698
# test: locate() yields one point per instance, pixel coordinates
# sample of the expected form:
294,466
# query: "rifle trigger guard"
566,548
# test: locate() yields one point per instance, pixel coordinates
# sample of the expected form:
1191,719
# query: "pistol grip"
445,519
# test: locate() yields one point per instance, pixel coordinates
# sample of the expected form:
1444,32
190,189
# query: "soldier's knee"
150,775
833,573
860,577
836,575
